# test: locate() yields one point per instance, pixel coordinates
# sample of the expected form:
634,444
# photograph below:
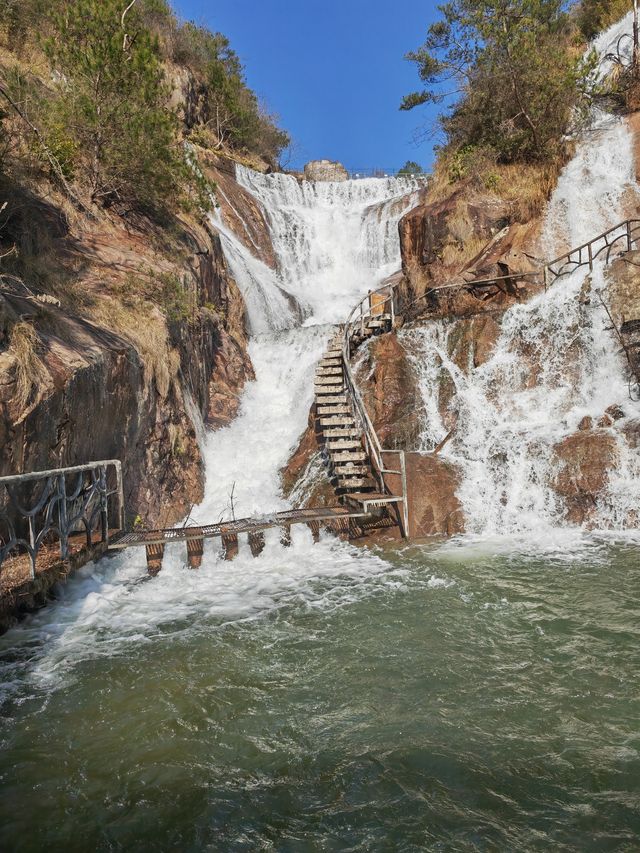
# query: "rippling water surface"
468,696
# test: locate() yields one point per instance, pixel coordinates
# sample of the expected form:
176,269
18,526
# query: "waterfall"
556,360
333,242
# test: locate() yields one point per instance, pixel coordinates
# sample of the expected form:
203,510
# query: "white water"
555,361
333,243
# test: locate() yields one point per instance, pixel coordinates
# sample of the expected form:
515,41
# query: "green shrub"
510,73
111,103
593,16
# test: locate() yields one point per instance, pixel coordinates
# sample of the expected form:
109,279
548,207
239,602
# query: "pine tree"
112,102
509,69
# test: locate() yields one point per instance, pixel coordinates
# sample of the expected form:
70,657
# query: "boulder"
325,170
585,458
389,387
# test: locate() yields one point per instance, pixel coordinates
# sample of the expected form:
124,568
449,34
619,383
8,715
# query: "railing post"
405,496
629,242
104,503
63,521
590,250
120,488
32,542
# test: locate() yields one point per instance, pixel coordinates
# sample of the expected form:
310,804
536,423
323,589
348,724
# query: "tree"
112,102
508,70
595,15
411,168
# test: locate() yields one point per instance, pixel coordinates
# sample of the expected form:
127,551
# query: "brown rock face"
129,382
464,237
431,485
232,368
586,459
432,482
623,280
387,381
240,209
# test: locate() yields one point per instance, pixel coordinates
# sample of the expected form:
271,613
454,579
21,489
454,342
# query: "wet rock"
389,387
615,412
586,423
432,484
623,290
231,369
586,459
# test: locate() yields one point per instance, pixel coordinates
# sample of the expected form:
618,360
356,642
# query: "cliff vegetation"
119,319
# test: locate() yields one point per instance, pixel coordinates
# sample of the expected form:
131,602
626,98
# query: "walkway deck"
338,519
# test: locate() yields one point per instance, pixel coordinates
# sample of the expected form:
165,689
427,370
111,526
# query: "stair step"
322,411
338,421
322,391
334,444
330,362
327,400
328,371
351,470
333,353
385,317
341,432
348,456
355,483
376,324
329,380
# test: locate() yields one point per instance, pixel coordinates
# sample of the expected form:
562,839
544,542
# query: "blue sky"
333,70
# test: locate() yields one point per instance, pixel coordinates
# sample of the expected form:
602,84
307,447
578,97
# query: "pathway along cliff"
476,694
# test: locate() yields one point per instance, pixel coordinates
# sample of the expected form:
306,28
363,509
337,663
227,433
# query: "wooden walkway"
339,519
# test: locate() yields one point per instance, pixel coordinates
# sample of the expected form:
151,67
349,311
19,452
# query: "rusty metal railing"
618,240
47,505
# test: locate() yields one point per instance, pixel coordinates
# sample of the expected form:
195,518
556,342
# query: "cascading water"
555,361
317,267
333,242
467,696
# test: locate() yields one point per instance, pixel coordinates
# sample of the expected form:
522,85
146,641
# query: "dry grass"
144,326
31,375
525,186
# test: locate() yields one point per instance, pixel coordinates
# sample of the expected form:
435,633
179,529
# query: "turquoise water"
472,696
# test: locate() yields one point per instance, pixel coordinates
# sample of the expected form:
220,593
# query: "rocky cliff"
136,339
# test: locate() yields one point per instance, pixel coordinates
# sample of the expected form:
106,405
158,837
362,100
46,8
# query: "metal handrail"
550,273
56,511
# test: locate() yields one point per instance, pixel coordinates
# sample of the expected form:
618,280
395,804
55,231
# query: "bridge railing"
44,506
378,302
616,241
